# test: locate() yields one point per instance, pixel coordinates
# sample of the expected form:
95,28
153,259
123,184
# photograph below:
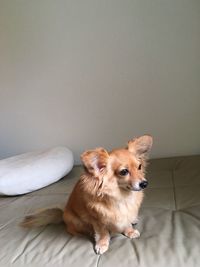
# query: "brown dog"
107,197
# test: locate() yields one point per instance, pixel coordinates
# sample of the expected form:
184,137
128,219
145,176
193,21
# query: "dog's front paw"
100,248
132,233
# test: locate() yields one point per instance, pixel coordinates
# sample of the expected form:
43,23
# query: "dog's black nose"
143,184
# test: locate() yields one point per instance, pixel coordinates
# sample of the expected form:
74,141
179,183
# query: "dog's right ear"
141,146
95,161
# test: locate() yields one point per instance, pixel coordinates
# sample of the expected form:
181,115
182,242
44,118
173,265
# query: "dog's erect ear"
95,160
141,146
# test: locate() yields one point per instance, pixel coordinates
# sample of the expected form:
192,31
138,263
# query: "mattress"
169,222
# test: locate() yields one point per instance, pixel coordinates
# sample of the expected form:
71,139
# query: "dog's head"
124,166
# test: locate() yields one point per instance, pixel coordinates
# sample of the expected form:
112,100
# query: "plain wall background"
97,73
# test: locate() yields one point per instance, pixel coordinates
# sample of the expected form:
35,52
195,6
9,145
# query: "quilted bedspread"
169,223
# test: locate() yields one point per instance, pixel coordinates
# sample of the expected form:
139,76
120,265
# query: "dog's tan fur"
103,201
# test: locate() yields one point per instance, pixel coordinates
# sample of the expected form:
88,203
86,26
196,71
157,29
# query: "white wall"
96,73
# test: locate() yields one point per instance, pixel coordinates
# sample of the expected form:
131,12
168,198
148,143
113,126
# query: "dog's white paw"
133,233
101,248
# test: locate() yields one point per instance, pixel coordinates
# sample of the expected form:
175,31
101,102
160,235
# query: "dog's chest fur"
127,210
122,212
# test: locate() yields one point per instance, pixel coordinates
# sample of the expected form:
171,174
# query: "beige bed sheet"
169,224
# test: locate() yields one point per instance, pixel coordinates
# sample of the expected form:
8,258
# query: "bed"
169,224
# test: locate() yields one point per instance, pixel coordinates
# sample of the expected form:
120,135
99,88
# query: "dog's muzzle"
138,186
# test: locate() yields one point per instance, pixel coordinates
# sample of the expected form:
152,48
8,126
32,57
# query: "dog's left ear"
141,146
95,161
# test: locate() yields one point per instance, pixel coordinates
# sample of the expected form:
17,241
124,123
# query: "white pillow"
31,171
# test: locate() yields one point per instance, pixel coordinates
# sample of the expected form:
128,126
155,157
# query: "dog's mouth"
132,188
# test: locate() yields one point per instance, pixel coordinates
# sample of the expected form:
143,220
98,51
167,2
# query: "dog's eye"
124,172
139,167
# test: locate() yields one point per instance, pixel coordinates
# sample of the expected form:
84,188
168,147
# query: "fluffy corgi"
107,197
